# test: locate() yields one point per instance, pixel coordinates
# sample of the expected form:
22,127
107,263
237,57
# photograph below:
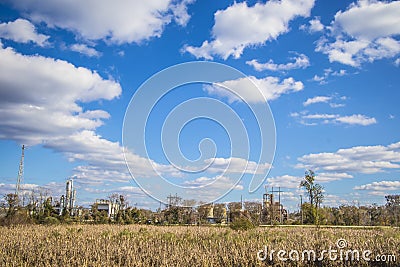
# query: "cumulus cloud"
126,191
180,12
357,119
317,99
315,25
22,31
293,182
325,177
270,88
118,22
86,50
240,26
286,181
105,159
322,79
213,183
353,43
314,119
40,103
40,96
362,159
331,200
236,165
380,186
301,61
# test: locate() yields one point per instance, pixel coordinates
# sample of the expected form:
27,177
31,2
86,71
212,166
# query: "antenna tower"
20,174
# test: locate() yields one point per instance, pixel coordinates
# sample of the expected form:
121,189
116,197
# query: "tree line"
248,212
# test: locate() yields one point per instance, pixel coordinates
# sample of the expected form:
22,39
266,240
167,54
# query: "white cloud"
105,159
214,183
179,10
380,186
118,22
290,196
286,181
22,31
126,191
331,200
317,99
356,42
325,177
362,159
293,182
336,105
315,25
236,165
327,73
355,119
240,26
320,116
301,61
39,97
271,88
86,50
379,19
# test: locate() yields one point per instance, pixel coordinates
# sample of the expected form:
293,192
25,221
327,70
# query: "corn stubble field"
136,245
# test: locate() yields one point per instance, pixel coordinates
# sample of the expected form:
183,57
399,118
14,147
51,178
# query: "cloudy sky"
327,69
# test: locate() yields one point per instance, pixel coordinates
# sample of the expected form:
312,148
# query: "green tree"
393,207
315,194
12,203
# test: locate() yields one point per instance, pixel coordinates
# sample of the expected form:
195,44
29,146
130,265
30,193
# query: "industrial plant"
175,211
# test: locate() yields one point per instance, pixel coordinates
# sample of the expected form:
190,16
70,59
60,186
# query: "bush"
51,220
242,224
16,217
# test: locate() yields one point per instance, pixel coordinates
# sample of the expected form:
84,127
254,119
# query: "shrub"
242,224
51,220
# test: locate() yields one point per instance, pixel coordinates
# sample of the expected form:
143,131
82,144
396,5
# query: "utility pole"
280,206
279,202
173,201
20,176
272,205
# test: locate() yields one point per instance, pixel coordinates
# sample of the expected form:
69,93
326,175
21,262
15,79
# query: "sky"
201,98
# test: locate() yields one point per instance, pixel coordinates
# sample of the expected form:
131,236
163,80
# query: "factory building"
67,201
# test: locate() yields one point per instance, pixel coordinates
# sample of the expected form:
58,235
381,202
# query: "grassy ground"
135,245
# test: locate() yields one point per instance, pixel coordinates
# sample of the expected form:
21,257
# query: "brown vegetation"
140,245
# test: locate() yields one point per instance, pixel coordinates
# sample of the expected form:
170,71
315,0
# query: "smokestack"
71,197
62,204
68,194
73,200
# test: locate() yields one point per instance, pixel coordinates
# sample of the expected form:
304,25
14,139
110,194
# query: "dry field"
136,245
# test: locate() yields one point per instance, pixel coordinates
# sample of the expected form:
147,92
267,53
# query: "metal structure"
67,201
20,175
210,214
273,211
173,201
111,208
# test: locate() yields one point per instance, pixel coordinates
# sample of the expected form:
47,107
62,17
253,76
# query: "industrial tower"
67,202
20,175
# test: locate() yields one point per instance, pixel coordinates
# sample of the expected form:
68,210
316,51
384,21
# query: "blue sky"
328,70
